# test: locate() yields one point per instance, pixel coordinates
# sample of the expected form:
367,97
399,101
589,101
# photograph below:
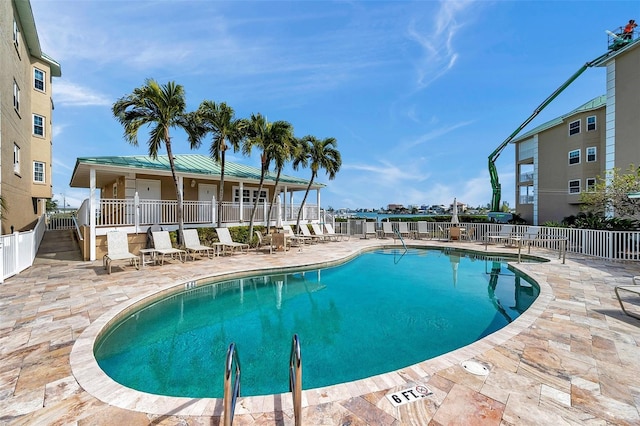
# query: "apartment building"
560,159
26,108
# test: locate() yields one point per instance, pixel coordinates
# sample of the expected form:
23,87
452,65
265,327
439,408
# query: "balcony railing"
142,213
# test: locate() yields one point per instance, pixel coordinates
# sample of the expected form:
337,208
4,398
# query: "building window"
38,172
574,157
591,154
38,125
591,123
249,195
16,158
16,96
526,194
574,127
574,186
38,79
16,33
591,185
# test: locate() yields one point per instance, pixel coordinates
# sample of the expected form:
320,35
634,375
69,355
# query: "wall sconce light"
193,183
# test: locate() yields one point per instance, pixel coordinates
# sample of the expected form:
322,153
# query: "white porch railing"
18,250
142,213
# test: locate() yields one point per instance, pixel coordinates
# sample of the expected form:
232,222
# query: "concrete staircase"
60,245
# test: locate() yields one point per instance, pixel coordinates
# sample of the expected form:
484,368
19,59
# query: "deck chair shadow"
193,246
118,249
225,238
163,247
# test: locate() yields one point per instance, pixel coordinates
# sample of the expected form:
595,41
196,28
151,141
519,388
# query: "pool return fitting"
231,393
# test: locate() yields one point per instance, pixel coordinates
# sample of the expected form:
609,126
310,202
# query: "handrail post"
230,395
295,379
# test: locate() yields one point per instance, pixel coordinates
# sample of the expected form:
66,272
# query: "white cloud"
71,94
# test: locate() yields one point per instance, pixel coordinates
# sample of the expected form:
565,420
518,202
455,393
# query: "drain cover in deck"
475,368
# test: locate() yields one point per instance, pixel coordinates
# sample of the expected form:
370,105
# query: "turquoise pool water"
376,313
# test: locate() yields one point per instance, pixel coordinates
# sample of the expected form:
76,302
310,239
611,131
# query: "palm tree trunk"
313,175
255,203
221,190
273,200
178,191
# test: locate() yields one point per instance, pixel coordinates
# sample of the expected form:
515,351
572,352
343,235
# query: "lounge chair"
304,230
370,229
387,230
264,241
470,234
423,230
227,242
455,233
403,229
118,249
192,244
298,240
325,235
634,290
163,247
331,231
503,235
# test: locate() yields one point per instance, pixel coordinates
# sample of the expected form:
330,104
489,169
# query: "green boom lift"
616,42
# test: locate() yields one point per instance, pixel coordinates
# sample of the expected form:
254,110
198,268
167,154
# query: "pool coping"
90,376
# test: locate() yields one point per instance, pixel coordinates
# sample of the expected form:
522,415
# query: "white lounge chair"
225,238
193,245
118,249
264,242
331,231
387,229
503,235
304,230
634,292
298,240
325,235
423,230
163,247
403,229
370,229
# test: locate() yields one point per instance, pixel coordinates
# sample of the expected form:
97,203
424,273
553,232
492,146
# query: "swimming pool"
377,313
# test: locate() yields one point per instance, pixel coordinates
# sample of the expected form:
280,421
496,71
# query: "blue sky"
417,94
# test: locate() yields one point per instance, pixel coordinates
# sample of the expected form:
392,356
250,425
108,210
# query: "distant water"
382,216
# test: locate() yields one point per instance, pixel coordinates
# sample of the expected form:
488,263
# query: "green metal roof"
593,104
193,164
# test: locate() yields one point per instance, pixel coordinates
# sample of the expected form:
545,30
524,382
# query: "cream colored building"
558,160
26,108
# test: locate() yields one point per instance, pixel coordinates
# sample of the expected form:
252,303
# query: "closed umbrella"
454,216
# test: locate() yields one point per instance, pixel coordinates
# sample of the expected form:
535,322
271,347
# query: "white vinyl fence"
19,249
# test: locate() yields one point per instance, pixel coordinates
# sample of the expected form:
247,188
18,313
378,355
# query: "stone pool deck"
573,358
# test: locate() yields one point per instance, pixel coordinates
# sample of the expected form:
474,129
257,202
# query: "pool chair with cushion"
163,247
118,249
193,246
403,229
294,239
503,235
225,239
331,231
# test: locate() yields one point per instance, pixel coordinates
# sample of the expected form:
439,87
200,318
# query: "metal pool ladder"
399,236
230,395
295,379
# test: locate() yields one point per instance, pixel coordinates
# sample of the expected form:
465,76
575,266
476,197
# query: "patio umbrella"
454,216
454,258
278,213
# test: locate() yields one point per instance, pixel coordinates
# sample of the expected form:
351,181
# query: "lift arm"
493,172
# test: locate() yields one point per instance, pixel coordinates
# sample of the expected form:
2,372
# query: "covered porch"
134,193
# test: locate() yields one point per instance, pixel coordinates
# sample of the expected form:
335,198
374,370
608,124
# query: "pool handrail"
230,397
295,378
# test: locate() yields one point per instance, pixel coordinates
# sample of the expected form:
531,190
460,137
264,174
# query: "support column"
241,216
92,214
318,202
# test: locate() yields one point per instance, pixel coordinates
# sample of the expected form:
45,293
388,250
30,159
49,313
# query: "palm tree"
161,108
265,136
317,154
280,154
228,132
